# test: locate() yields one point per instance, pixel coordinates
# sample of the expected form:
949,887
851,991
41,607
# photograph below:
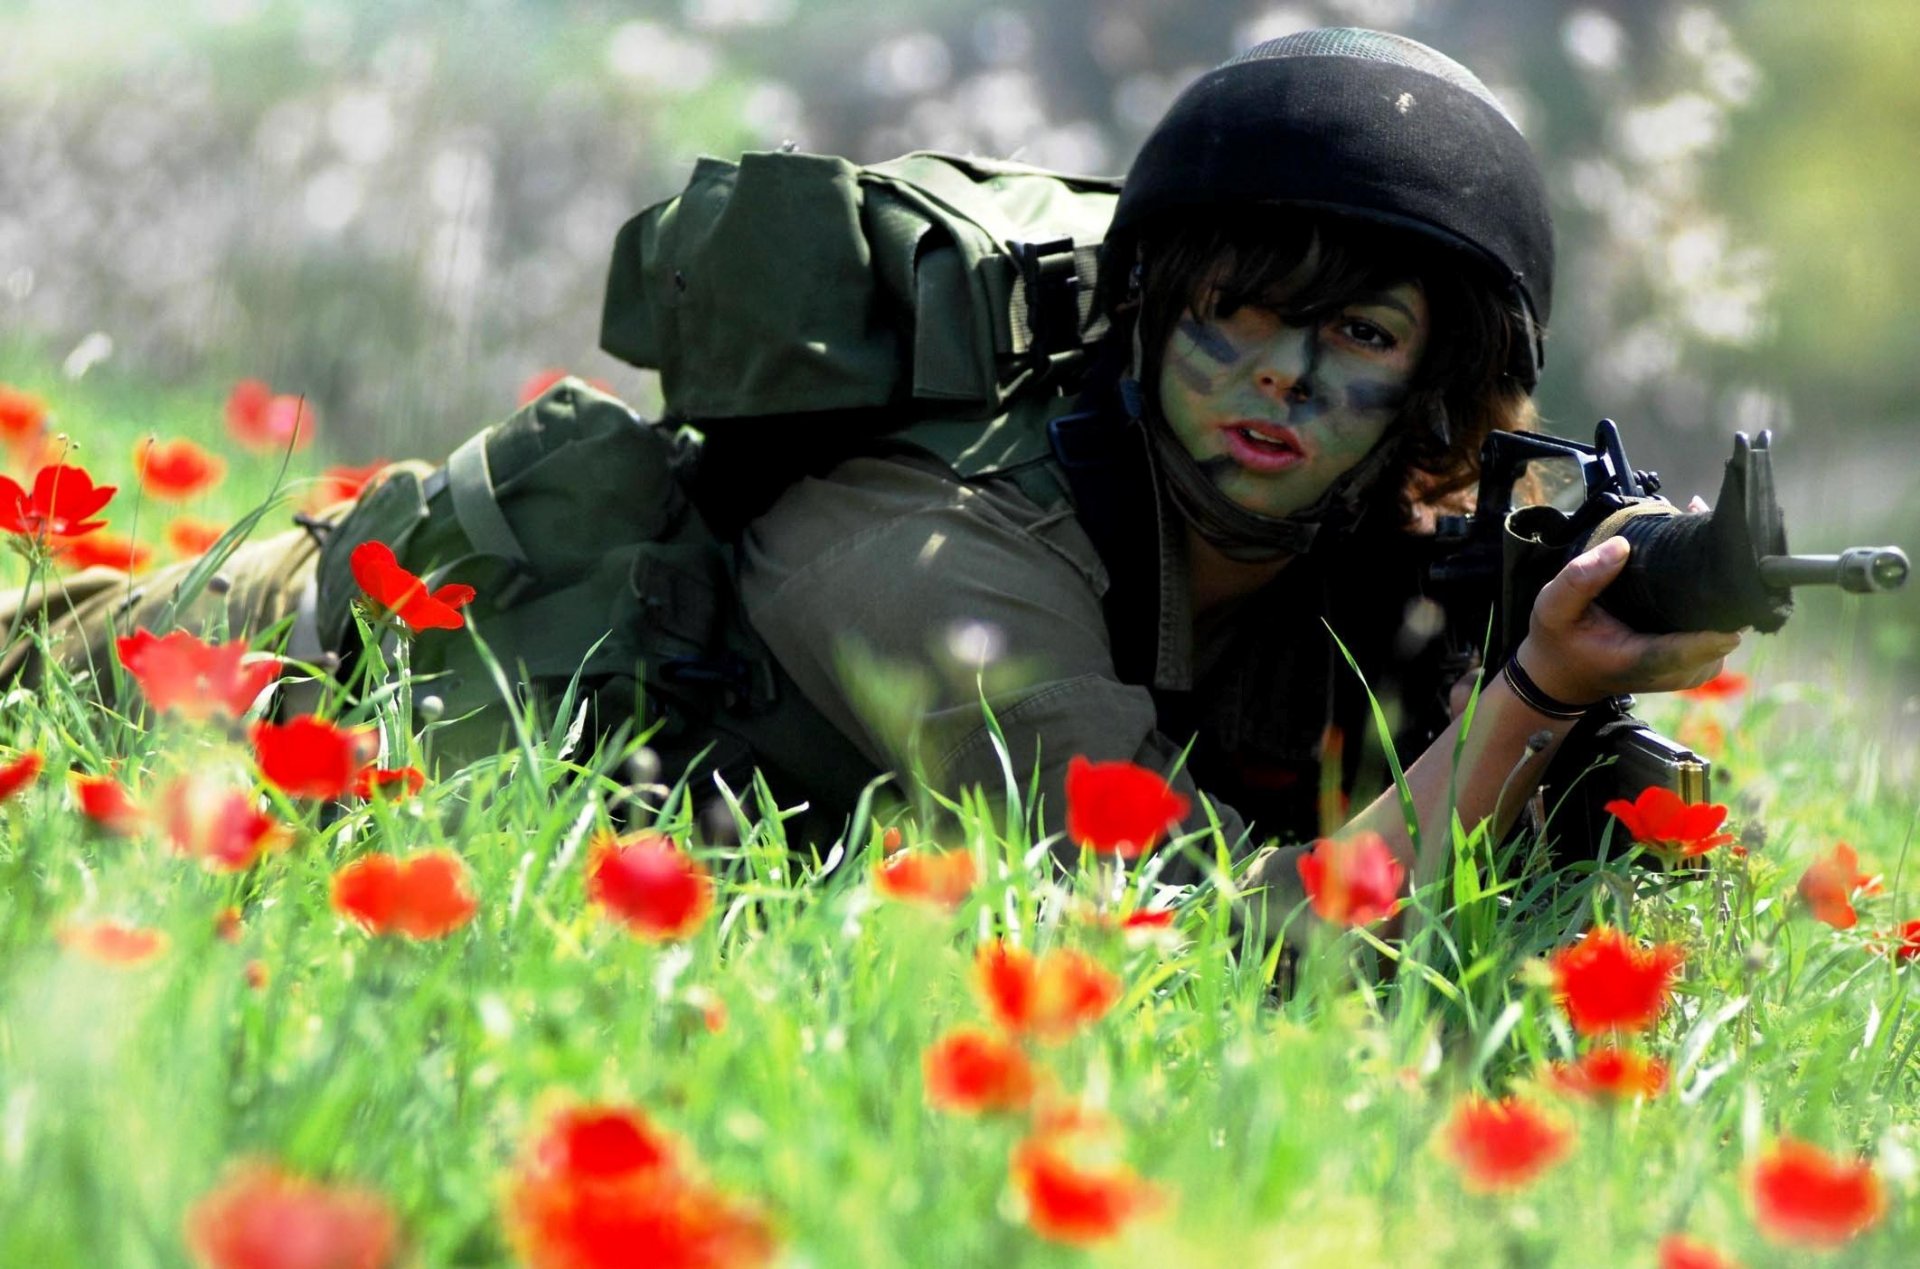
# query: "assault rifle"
1725,569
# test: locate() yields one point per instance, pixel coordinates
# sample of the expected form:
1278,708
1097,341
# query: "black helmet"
1362,124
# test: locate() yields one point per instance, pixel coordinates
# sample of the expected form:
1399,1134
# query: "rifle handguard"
1701,570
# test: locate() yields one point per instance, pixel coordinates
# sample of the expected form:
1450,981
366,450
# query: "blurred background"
404,209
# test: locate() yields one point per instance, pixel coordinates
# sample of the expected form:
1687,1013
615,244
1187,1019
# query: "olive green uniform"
893,569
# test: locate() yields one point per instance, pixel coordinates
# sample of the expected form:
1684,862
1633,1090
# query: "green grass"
1296,1131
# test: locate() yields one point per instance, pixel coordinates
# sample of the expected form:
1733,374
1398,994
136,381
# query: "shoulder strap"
470,484
1103,465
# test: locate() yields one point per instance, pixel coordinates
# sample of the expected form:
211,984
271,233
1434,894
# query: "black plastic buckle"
318,530
729,670
1051,280
746,685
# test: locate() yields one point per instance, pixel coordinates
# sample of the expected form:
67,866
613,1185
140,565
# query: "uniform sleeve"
879,585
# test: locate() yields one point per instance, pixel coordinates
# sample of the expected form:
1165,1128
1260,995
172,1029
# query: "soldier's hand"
1579,653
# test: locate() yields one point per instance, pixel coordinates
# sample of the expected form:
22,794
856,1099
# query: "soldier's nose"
1283,387
1283,369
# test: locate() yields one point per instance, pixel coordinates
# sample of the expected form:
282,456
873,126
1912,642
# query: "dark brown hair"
1317,264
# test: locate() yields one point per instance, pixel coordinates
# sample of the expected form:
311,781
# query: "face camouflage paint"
1274,413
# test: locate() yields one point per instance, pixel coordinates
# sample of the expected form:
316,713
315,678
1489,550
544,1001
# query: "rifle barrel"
1864,570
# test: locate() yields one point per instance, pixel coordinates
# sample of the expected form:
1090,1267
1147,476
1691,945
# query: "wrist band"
1536,700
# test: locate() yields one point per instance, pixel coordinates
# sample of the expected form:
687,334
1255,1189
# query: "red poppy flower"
1505,1144
1803,1196
194,678
1075,1188
1905,947
247,411
104,549
1677,1251
112,942
257,975
107,804
939,878
393,782
1049,997
62,499
1612,1072
423,897
23,416
342,484
1142,927
261,1217
892,840
1669,826
1353,881
1725,684
19,773
652,886
1830,883
1606,982
227,925
222,827
972,1070
177,469
1119,808
403,594
190,535
311,758
260,420
599,1186
290,422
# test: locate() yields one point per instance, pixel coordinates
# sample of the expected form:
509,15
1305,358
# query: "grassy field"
1182,1111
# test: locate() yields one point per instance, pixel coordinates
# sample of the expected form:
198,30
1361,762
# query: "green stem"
35,558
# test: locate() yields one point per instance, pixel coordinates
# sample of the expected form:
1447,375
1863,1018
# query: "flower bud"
643,767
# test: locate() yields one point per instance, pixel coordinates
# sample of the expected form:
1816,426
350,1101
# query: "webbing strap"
1053,311
470,482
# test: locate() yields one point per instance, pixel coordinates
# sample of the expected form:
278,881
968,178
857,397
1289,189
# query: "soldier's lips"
1263,447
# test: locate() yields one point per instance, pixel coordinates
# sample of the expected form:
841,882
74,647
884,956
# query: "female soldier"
1327,277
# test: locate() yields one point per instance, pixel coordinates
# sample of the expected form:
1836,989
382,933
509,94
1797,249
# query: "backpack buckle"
746,685
1050,284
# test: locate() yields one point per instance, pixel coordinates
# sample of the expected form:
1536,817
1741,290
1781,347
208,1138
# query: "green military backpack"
795,306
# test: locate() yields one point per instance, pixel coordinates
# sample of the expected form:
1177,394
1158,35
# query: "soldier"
1328,277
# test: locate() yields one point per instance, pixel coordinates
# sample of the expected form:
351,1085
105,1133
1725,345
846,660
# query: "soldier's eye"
1365,333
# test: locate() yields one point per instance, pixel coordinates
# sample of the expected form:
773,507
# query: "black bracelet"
1536,700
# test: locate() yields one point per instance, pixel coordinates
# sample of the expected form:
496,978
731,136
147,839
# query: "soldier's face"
1275,413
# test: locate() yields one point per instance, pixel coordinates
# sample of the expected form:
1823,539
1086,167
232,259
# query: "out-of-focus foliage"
1830,180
